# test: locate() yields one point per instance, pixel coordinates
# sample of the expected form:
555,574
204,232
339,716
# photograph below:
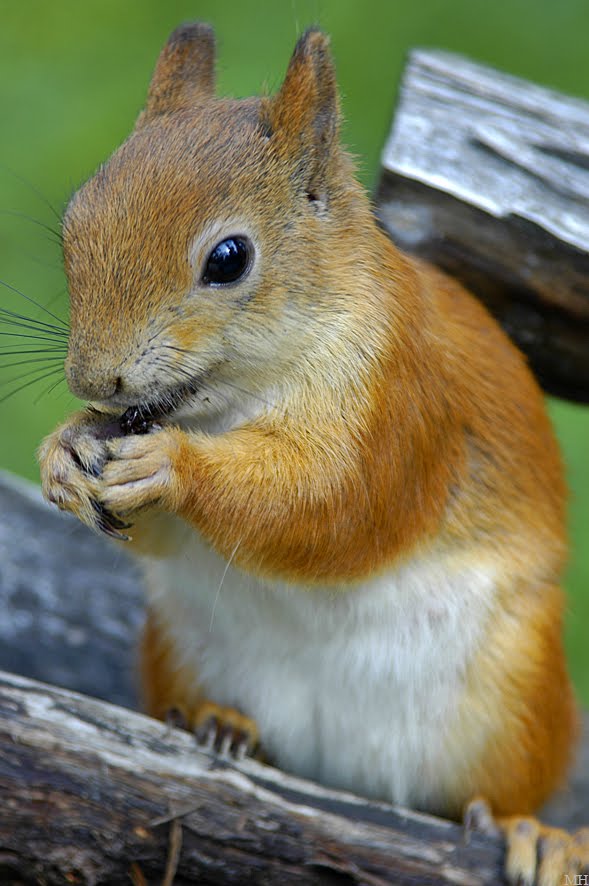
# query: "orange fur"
527,755
166,685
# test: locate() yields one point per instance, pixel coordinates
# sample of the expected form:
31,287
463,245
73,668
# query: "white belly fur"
355,688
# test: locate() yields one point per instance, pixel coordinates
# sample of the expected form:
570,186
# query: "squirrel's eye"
228,262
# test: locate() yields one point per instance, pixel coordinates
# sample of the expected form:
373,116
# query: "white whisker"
216,600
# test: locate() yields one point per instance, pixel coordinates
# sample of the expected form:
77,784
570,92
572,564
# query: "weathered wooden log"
487,176
95,794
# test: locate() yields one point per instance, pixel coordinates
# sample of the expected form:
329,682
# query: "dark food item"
136,421
108,431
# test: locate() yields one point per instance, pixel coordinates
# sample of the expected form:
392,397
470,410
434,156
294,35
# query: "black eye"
228,262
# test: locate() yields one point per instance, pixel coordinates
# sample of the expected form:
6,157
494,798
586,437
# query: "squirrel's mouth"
140,418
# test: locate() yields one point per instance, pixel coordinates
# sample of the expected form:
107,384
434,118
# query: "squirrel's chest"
354,688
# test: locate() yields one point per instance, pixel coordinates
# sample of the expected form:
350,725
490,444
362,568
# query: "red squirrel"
346,492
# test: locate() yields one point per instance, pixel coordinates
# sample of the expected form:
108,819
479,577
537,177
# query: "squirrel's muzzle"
89,380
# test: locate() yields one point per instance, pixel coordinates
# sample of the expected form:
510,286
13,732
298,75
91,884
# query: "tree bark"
487,176
96,794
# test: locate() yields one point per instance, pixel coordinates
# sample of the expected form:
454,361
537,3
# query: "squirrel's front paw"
140,472
71,461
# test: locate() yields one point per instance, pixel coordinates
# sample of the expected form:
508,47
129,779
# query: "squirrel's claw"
221,730
478,818
226,739
225,731
109,524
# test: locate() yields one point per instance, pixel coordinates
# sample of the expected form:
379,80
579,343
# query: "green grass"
73,78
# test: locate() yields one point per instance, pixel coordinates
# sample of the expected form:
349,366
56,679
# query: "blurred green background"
73,77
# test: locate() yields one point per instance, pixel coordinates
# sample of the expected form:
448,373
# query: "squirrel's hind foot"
223,730
536,855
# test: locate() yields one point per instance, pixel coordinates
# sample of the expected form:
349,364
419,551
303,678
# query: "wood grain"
92,793
487,176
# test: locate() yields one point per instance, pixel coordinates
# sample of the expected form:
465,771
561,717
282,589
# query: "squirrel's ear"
304,114
184,73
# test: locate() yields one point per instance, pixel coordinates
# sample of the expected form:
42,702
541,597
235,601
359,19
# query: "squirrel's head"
198,256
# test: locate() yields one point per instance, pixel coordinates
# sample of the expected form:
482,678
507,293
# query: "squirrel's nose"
91,382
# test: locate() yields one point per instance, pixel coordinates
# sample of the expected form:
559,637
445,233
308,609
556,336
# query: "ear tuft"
185,71
305,112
